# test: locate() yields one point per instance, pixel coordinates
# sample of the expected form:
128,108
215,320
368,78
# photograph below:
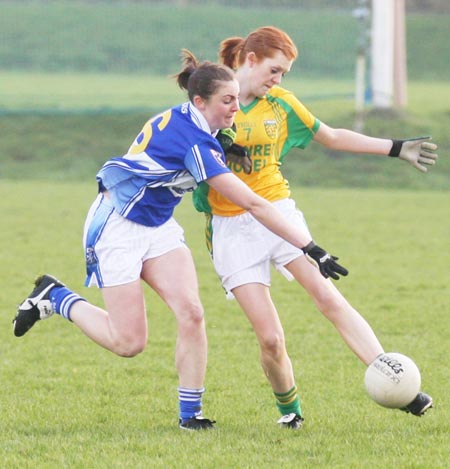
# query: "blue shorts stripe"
99,216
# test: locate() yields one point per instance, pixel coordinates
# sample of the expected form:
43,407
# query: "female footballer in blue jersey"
270,122
130,233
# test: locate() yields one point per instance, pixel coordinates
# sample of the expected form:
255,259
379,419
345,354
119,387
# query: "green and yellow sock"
288,402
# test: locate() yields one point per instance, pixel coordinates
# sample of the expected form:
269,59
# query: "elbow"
256,206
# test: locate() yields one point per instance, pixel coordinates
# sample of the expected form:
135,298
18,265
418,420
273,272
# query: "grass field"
67,403
64,126
146,37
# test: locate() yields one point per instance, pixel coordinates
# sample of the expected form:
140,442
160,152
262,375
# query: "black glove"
324,261
238,154
234,152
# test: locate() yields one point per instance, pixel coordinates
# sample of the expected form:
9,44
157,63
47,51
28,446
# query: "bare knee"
273,345
129,346
191,316
331,303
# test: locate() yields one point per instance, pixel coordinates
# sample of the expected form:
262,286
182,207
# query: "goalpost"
388,54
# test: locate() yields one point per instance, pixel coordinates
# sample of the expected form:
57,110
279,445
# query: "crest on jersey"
91,257
270,126
218,157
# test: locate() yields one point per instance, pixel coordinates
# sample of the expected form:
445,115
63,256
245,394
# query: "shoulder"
282,94
294,108
183,123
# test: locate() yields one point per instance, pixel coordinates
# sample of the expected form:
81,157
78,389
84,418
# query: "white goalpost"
388,54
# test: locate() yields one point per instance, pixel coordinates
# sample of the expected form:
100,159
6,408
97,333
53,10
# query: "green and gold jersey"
268,128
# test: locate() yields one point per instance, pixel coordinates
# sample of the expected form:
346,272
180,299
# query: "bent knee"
129,347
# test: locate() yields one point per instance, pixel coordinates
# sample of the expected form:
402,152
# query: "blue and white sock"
62,300
190,402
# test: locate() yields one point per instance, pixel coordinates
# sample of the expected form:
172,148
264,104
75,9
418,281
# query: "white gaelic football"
392,380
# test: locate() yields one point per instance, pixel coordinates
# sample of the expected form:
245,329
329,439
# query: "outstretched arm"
266,213
416,151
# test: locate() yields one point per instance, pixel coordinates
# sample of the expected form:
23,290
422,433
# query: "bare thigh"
126,309
255,300
174,278
328,299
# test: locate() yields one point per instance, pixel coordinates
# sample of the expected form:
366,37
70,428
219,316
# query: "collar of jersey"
250,106
198,118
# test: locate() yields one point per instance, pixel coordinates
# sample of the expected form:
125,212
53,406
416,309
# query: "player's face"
269,72
221,107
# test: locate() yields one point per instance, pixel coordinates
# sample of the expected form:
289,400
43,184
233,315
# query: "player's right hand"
324,261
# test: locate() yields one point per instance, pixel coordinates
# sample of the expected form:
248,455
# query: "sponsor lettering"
395,365
387,372
260,150
259,164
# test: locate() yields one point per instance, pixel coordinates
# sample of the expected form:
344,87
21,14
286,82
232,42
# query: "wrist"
308,247
396,148
229,132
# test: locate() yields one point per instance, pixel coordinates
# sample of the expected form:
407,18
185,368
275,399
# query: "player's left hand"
324,261
238,154
233,152
416,151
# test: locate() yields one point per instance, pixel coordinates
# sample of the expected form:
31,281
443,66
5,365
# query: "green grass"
52,93
144,37
47,93
66,125
68,403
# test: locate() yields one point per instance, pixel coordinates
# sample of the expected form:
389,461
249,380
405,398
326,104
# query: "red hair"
263,42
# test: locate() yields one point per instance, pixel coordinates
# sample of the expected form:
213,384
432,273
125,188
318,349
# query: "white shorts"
244,249
116,248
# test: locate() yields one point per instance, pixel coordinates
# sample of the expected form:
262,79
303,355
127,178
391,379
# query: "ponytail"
201,78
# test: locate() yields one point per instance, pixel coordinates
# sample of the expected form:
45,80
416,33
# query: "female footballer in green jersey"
270,122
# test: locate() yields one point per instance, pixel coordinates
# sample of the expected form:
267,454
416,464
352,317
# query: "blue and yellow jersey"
173,153
268,128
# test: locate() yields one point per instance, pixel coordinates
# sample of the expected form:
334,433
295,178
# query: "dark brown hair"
201,79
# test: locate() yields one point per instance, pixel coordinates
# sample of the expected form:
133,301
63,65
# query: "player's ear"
199,102
251,59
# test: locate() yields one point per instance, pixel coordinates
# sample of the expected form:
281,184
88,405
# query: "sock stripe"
62,300
288,402
286,396
190,401
190,394
64,307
